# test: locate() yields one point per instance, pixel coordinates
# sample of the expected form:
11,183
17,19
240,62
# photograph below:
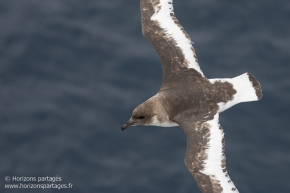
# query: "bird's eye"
141,117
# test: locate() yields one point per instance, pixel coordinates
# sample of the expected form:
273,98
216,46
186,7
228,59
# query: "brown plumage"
188,99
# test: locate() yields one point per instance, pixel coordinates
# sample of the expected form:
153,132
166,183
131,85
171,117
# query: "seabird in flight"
188,99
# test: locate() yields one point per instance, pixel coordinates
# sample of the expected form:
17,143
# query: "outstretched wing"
205,158
161,28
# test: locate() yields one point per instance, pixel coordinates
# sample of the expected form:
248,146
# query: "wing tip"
256,86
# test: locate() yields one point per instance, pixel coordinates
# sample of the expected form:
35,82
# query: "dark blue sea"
72,71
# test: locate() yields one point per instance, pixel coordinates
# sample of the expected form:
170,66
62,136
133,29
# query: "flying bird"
188,99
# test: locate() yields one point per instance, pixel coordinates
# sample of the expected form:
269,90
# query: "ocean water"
72,71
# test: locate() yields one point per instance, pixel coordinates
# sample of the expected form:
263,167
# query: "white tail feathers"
247,87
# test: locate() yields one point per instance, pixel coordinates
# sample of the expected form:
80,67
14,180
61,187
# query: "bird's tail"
247,87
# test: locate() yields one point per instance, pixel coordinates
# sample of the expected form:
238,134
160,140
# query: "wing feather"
161,28
205,158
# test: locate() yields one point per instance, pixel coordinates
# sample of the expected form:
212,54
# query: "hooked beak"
129,123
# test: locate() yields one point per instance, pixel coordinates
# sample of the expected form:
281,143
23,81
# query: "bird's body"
190,100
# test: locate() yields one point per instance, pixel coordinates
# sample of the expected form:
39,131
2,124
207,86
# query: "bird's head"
142,115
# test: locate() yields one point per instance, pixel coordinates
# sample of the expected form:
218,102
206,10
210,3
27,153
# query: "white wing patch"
244,88
163,17
215,156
